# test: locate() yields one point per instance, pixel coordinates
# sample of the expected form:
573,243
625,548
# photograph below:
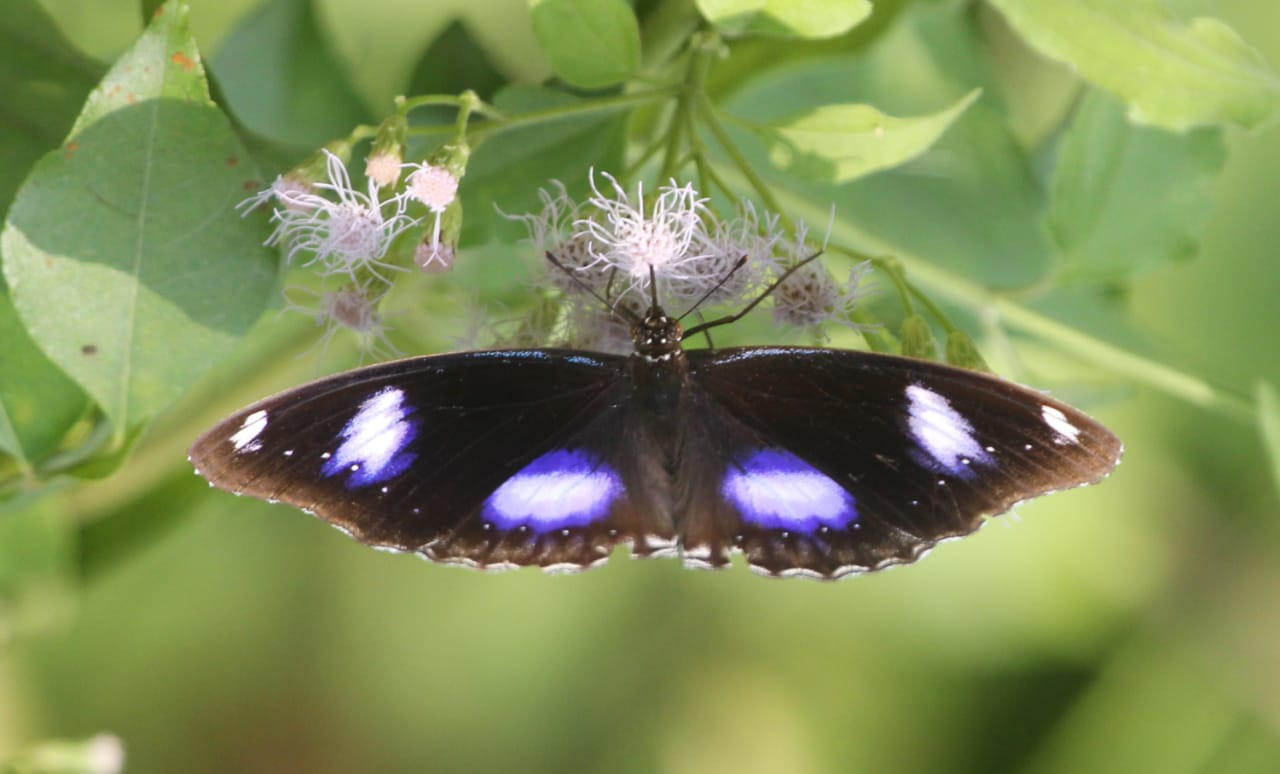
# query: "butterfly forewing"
489,459
849,461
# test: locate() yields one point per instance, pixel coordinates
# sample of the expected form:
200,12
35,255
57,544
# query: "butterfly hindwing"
489,459
840,462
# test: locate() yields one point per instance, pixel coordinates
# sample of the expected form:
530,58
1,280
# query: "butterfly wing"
489,459
834,462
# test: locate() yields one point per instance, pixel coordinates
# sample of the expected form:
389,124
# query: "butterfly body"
813,462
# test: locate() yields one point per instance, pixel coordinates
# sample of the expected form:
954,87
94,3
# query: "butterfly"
811,462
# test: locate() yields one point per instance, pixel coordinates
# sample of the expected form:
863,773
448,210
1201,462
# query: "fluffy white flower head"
436,187
344,233
635,239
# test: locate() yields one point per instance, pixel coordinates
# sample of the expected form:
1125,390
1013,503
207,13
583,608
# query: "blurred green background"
1128,627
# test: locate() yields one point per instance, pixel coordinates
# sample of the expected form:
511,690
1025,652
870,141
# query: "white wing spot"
941,432
1063,430
246,438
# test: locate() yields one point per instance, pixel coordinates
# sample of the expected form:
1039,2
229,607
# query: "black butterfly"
813,462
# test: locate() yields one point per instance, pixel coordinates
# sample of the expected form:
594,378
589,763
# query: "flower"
382,169
642,242
436,187
810,296
343,236
353,308
433,256
613,246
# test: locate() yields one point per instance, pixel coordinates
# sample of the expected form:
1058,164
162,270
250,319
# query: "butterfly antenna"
765,294
741,262
653,287
613,309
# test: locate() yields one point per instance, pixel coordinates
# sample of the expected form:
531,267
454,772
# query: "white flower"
640,242
353,308
811,297
345,235
436,187
382,169
738,257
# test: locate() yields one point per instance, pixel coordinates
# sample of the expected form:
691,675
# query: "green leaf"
1269,426
163,63
961,351
917,339
44,81
1125,198
507,170
591,44
282,79
123,253
844,142
971,203
456,61
812,19
39,404
1171,72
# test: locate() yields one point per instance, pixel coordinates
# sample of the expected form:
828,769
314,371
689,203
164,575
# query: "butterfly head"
657,336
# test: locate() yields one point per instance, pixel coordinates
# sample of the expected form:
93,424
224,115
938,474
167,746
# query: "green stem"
596,105
1140,369
757,183
942,283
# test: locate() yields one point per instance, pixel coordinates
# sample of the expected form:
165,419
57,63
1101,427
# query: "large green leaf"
591,44
281,78
840,143
800,18
1125,197
1171,72
125,258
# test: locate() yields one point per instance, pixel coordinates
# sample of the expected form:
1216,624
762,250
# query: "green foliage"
276,67
128,275
591,44
132,304
839,143
798,18
1126,198
1172,72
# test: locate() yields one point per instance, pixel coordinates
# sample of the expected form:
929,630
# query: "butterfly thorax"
657,337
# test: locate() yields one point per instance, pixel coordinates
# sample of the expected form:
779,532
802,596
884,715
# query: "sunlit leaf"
1125,197
1171,72
38,402
591,44
844,142
800,18
124,256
